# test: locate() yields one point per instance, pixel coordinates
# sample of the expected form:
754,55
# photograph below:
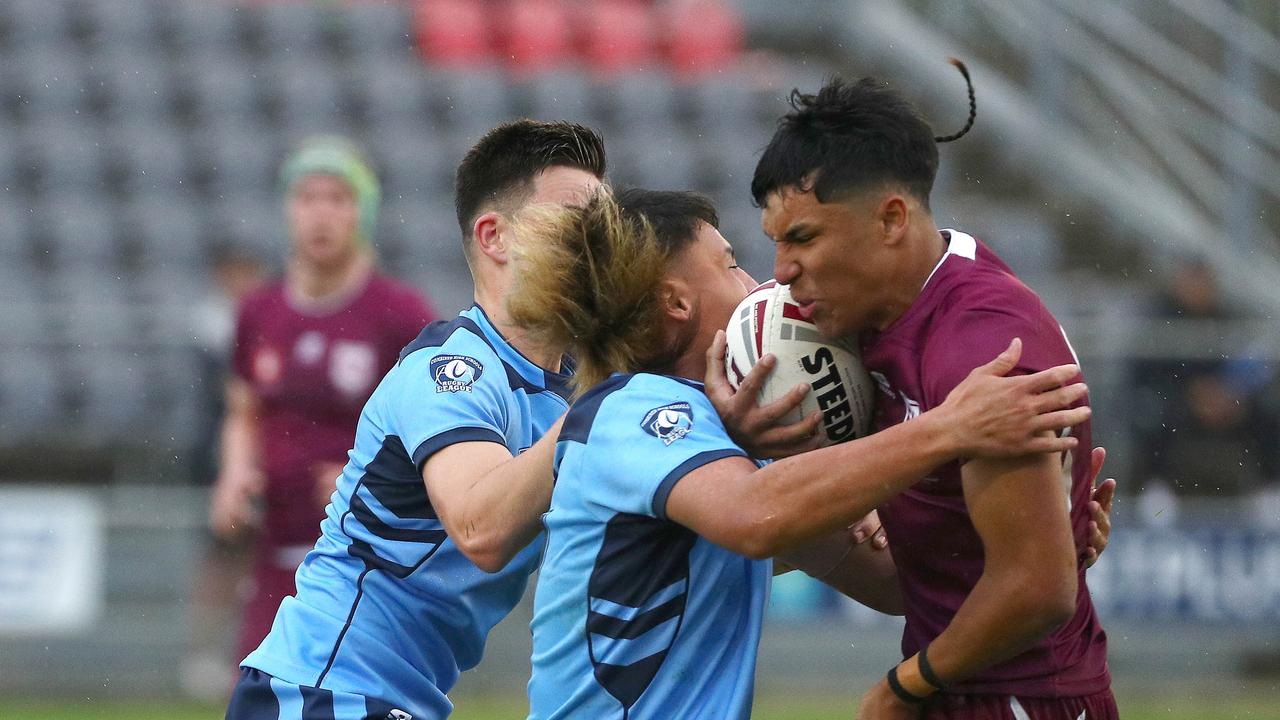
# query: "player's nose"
785,270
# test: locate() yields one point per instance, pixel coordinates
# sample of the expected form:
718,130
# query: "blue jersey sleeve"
649,435
457,392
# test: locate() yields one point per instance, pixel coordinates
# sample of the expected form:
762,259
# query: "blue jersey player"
397,597
651,593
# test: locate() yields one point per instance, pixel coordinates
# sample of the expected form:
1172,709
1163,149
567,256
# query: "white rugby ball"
769,321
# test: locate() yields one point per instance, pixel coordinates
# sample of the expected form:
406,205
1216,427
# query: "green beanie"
337,156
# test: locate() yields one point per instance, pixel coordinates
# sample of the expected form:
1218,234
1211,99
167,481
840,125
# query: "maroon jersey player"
309,350
999,622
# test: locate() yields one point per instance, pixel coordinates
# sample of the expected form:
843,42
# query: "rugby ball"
769,321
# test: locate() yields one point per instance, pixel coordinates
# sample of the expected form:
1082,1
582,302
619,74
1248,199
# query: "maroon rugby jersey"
312,371
970,308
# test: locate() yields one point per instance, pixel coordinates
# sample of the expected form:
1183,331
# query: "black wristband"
900,691
926,671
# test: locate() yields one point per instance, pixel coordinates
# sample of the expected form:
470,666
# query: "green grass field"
1258,705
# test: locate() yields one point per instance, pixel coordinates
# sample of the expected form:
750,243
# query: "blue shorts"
258,696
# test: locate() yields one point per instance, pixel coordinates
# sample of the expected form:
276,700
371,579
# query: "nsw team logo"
455,373
669,423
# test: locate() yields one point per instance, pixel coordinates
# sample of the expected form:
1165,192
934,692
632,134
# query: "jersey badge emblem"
455,373
669,423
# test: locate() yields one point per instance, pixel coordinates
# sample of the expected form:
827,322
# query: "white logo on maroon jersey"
266,366
882,382
913,407
309,348
352,366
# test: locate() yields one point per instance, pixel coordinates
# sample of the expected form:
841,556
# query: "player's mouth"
806,309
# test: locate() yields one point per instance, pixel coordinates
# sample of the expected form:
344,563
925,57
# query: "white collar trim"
960,244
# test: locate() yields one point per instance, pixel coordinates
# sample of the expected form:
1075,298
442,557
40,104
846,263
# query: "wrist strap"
900,691
927,672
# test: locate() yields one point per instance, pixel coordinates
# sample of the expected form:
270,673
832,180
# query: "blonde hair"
586,279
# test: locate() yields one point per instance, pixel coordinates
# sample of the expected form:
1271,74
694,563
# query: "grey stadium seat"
137,82
78,227
52,79
290,30
470,101
114,391
151,157
220,85
81,281
658,157
376,30
391,87
15,228
195,24
30,393
35,23
133,24
66,153
168,228
412,158
562,96
639,100
251,220
242,158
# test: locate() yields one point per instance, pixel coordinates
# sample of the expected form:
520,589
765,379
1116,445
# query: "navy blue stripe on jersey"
637,592
337,644
392,478
435,334
669,482
317,704
252,698
577,424
436,443
374,524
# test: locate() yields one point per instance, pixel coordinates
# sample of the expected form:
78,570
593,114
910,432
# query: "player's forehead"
321,183
563,185
789,208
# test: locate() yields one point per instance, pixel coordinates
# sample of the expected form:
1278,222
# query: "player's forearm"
802,497
238,443
858,571
506,506
1005,615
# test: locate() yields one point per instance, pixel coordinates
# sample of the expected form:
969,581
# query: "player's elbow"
1049,600
759,536
486,552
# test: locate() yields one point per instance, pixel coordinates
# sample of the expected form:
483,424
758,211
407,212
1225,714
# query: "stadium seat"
66,152
115,388
77,227
639,99
136,82
250,220
132,24
562,95
409,156
292,29
30,393
390,87
240,157
15,221
619,36
83,280
219,84
52,81
168,228
307,96
376,30
470,101
35,23
705,36
20,281
453,33
536,35
195,24
730,103
659,157
150,157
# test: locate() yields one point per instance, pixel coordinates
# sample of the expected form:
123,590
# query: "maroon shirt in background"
968,311
312,372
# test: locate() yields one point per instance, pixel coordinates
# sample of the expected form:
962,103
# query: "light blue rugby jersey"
635,616
387,606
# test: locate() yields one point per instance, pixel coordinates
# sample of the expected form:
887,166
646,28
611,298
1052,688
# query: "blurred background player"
999,618
309,349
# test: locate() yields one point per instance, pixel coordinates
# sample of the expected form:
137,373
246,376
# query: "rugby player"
651,592
444,483
309,349
999,623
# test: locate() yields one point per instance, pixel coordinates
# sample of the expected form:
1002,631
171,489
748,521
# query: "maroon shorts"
273,570
1098,706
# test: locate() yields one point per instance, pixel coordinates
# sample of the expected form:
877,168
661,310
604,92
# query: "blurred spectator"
309,349
1204,427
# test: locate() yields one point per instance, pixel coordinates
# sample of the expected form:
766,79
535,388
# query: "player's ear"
489,233
893,215
675,298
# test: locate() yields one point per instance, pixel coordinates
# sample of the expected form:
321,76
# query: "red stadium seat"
453,33
538,35
619,35
706,36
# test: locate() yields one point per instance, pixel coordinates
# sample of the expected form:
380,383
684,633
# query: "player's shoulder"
454,354
987,285
632,402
